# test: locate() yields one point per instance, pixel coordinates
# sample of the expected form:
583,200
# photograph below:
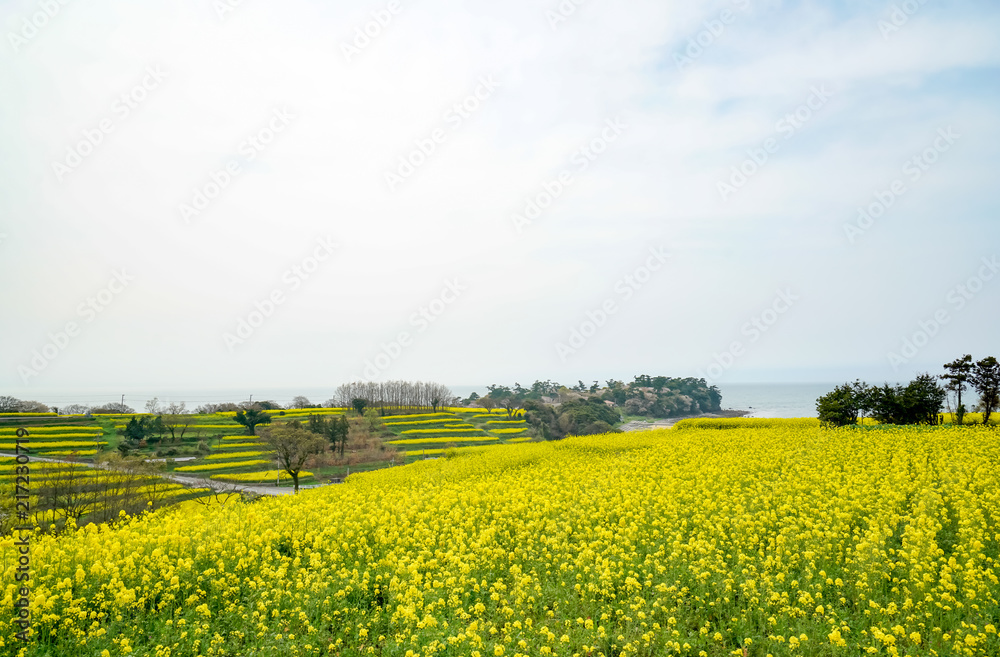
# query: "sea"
758,399
774,399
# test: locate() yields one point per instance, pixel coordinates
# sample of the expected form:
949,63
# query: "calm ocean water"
762,399
774,399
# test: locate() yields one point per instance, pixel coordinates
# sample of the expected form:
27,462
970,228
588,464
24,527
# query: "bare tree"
176,421
72,493
114,407
510,404
394,396
300,401
292,447
9,404
33,407
222,495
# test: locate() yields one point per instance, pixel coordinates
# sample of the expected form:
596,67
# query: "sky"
232,194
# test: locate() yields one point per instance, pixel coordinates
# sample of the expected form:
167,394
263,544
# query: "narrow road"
195,482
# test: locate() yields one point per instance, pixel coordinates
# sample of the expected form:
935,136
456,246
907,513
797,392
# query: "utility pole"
123,403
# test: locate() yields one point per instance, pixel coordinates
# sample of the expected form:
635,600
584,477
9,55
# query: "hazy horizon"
759,399
242,196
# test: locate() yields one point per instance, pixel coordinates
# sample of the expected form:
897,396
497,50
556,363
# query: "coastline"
666,423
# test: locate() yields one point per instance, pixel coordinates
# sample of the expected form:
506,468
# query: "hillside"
721,538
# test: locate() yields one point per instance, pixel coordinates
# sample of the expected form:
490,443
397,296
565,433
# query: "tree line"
920,401
655,396
394,396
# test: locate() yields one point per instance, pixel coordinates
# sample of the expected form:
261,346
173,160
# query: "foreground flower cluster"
782,540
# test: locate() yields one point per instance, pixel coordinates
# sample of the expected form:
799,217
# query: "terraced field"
55,436
216,447
431,434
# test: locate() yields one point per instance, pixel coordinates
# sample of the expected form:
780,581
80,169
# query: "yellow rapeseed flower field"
10,431
440,420
446,439
221,465
448,429
783,540
55,444
234,455
395,418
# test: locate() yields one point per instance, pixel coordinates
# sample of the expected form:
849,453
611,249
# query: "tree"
251,418
985,378
510,404
359,405
337,432
887,404
176,421
919,402
114,408
981,406
70,492
292,448
959,373
863,398
334,429
838,408
923,399
210,409
9,404
342,431
33,407
541,389
138,430
616,391
300,402
715,398
576,417
153,406
488,403
373,418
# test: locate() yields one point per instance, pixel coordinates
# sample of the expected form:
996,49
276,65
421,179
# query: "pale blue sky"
514,294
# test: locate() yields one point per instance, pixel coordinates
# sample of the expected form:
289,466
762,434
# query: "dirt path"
195,482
